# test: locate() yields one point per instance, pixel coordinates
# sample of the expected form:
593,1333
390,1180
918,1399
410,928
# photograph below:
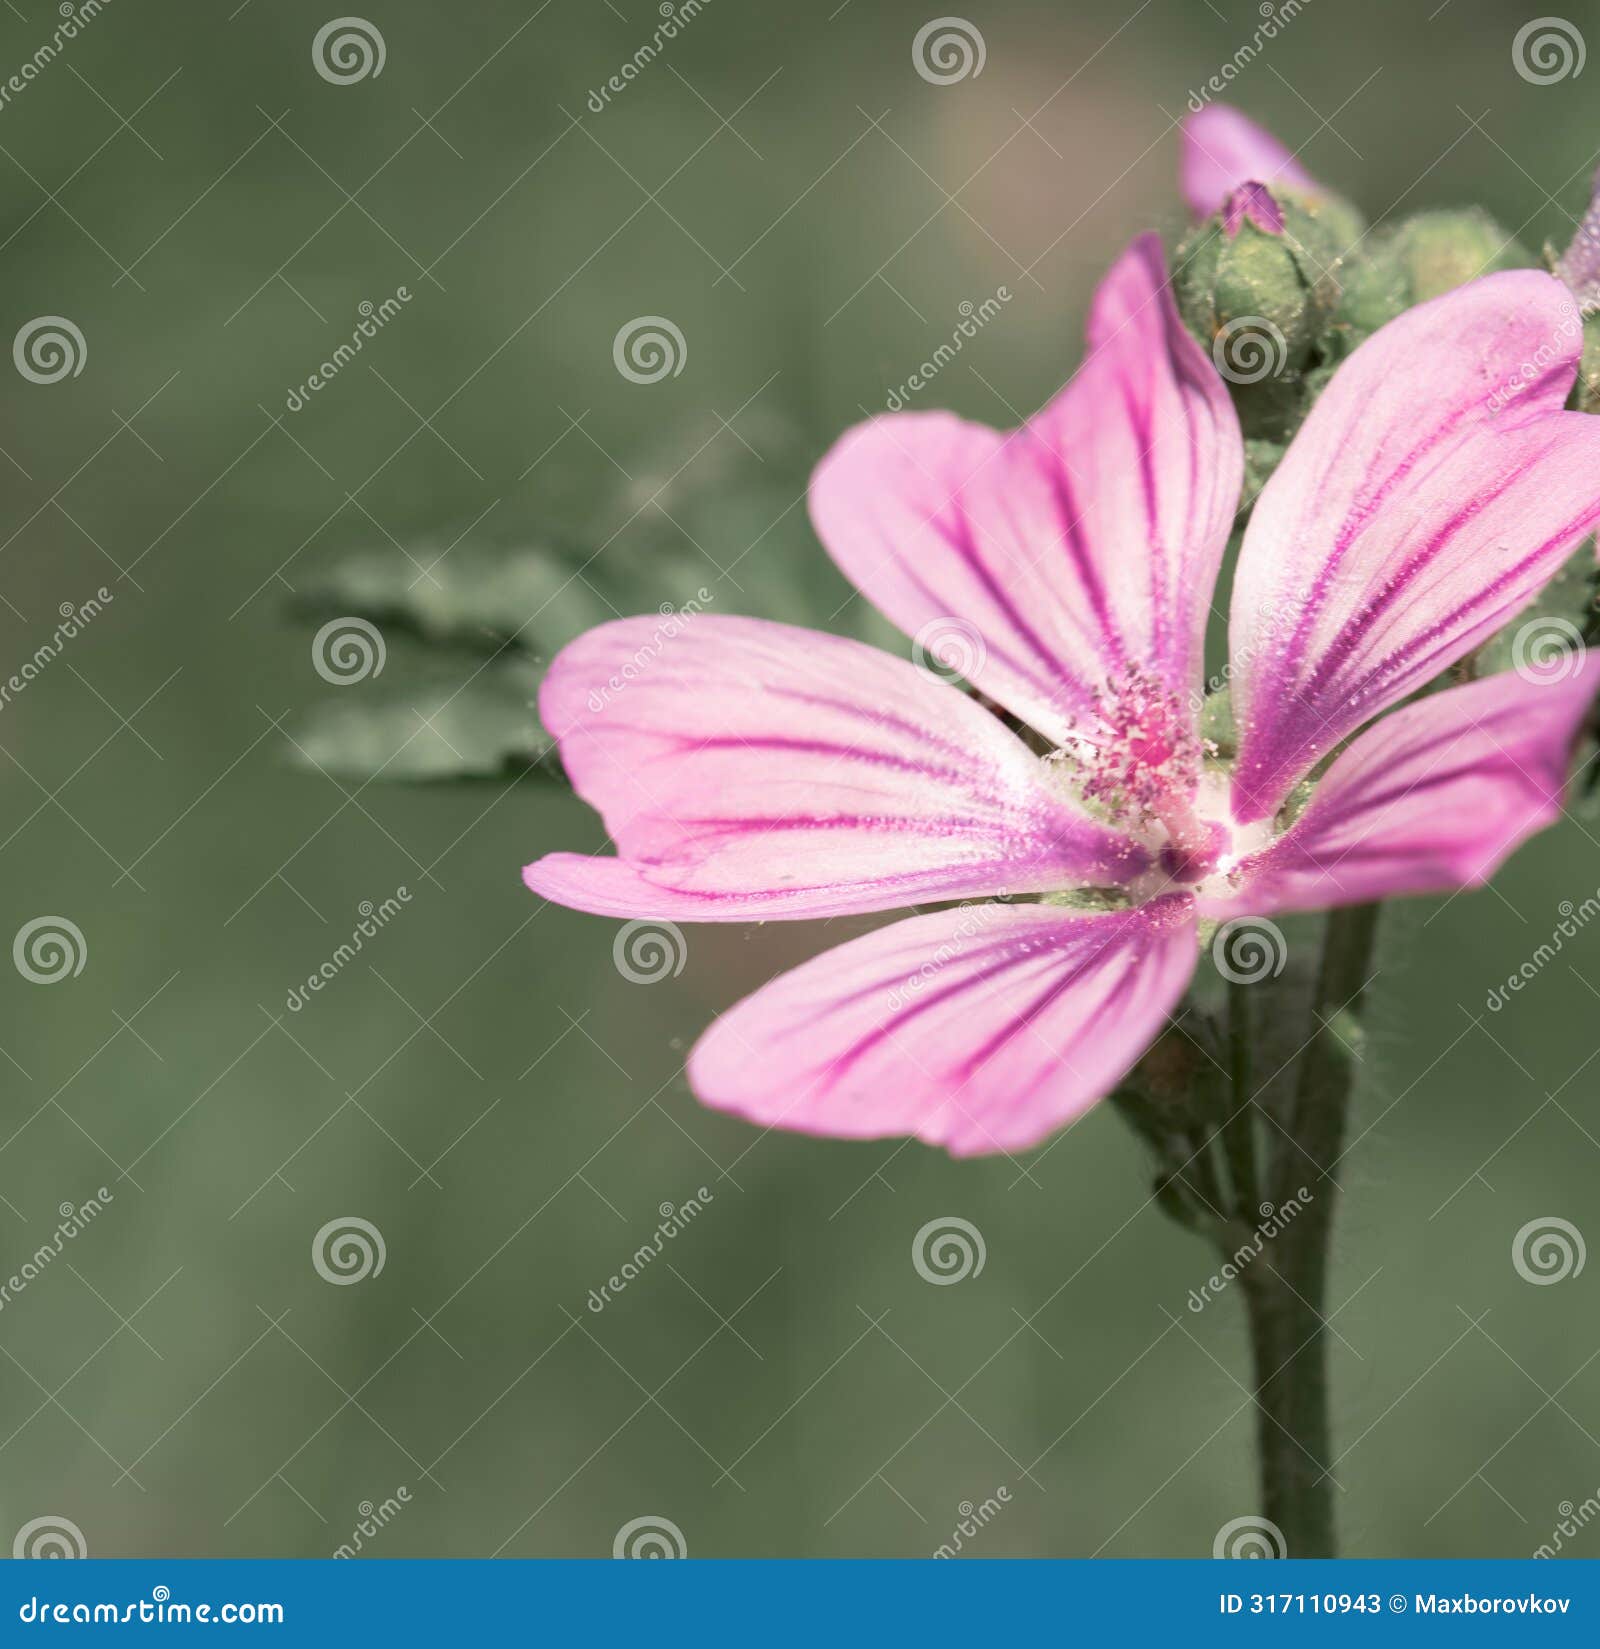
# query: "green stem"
1239,1135
1286,1290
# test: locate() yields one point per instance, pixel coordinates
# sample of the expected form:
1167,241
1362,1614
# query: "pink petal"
1435,796
982,1028
745,768
1252,203
604,885
1434,488
1222,150
1083,542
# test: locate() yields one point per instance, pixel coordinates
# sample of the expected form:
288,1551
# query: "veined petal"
1435,487
982,1028
1083,543
1222,150
604,885
748,769
1436,796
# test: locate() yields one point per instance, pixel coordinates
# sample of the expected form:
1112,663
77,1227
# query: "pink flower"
1223,151
748,770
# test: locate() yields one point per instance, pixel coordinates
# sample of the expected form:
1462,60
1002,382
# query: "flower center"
1139,758
1140,762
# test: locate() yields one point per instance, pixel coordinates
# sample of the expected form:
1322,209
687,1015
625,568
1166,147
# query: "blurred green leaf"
519,601
735,545
535,594
486,728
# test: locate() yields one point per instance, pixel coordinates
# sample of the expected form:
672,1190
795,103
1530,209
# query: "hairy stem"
1286,1290
1239,1137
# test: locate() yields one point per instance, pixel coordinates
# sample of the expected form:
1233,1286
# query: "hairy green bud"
1420,258
1258,284
1440,251
1586,392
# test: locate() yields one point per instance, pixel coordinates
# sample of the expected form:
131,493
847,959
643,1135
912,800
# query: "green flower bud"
1257,285
1261,458
1586,392
1417,259
1420,258
1440,251
1282,287
1376,289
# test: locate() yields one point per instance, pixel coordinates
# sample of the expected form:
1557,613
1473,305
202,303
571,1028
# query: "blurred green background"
481,1084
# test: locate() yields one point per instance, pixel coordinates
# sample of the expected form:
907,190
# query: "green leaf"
486,594
518,601
732,542
484,728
